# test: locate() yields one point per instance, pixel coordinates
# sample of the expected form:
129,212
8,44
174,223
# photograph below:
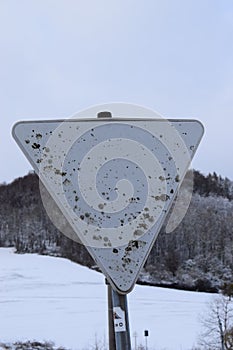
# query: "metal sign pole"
146,334
111,332
120,319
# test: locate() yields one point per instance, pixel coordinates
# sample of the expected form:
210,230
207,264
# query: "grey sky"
174,56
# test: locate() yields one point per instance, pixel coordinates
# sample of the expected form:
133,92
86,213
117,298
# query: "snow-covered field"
45,298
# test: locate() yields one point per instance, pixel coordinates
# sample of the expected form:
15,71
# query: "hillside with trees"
197,255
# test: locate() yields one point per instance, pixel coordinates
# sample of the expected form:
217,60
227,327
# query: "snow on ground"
46,298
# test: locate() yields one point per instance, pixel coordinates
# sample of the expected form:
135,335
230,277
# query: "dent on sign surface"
114,182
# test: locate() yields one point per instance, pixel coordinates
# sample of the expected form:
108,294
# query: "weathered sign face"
113,180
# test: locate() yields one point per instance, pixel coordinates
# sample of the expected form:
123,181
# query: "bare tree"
218,325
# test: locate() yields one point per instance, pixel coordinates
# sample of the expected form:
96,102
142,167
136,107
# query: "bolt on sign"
113,182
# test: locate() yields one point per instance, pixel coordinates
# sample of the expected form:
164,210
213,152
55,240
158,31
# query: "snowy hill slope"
46,298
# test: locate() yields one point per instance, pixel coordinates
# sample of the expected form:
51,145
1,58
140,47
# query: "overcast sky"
174,56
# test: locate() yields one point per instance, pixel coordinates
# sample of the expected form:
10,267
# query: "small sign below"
119,319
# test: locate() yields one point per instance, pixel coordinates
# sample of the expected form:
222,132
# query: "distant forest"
197,255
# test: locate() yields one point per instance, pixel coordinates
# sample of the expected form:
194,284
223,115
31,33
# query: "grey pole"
135,340
146,334
119,335
111,332
121,321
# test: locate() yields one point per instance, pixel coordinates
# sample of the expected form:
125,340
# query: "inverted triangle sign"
113,181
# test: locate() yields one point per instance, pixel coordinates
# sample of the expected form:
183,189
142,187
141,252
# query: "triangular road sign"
114,181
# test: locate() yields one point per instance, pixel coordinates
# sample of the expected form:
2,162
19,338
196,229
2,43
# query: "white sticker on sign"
119,319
